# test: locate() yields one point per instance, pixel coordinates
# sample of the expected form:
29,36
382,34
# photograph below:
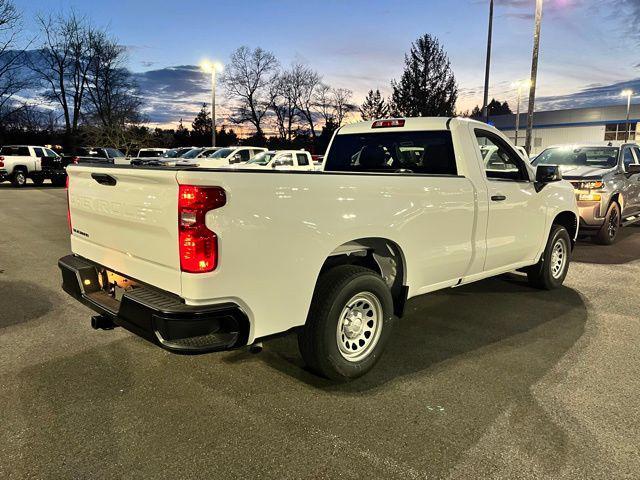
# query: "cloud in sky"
172,93
591,96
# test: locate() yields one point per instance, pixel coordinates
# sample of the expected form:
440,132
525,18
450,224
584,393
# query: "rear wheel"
19,178
551,270
349,323
37,180
609,231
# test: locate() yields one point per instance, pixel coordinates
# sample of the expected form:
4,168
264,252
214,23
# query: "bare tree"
341,103
284,104
113,99
248,79
306,82
324,103
12,80
64,62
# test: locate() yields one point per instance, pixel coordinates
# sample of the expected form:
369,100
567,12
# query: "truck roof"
410,124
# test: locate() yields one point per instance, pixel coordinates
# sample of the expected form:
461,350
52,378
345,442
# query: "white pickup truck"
280,160
21,162
198,259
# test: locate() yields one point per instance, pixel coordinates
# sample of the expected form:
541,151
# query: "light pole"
534,74
212,67
485,104
519,85
627,130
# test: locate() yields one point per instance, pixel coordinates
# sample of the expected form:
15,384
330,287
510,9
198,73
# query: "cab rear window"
393,152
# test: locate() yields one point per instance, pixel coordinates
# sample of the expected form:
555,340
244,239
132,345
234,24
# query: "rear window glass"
15,151
402,152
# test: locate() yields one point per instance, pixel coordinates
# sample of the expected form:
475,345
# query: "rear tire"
37,181
349,323
608,233
549,273
19,178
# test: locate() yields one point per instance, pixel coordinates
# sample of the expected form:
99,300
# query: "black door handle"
498,198
104,179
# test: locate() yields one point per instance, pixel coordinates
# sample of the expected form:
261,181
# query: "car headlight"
591,185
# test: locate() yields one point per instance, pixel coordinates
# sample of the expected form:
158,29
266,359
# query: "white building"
578,125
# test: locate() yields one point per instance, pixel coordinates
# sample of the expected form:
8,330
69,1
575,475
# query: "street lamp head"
209,66
626,93
522,84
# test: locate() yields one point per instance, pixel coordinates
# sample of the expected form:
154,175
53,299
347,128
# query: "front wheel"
609,231
349,323
551,270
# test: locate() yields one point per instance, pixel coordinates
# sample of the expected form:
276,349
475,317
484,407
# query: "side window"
500,160
285,160
303,161
50,153
627,157
245,155
23,152
636,150
39,152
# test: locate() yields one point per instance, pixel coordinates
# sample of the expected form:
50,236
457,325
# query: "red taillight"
1,162
68,207
198,244
75,160
388,123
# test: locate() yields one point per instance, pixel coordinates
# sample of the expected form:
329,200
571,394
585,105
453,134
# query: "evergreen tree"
374,106
427,87
494,108
201,127
181,136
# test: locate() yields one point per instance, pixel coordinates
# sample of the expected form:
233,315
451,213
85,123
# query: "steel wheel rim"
613,223
20,178
558,258
359,326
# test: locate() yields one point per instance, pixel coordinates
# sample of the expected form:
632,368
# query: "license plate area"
114,284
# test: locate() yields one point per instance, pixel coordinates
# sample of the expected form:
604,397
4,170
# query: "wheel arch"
381,255
568,220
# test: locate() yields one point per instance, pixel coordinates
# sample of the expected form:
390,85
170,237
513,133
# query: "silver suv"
606,179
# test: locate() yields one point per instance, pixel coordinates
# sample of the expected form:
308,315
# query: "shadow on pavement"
494,316
625,250
26,301
461,362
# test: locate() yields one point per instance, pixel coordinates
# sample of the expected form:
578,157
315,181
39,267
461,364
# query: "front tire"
549,273
349,323
608,233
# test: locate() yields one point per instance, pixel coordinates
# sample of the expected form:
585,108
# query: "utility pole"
213,106
485,104
534,75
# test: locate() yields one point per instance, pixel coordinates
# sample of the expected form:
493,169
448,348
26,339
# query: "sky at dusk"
590,48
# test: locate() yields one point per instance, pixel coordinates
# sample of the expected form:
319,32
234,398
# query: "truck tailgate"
126,219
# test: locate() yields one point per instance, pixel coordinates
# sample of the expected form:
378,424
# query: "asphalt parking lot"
492,380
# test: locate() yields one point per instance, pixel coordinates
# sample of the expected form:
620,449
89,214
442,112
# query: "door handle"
104,179
498,198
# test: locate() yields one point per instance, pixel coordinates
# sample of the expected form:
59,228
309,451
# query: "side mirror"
633,168
547,174
237,158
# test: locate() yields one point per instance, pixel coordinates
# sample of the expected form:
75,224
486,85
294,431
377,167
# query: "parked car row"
20,163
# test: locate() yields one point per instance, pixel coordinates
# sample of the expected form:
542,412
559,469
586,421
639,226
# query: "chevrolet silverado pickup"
21,162
198,259
606,179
